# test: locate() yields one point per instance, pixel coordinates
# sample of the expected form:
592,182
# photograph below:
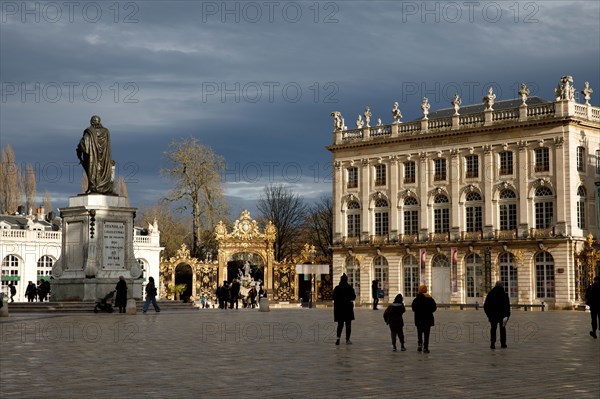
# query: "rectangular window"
581,213
410,175
381,223
508,216
506,163
472,166
581,159
352,177
440,169
542,159
474,218
411,222
543,215
380,175
354,225
598,162
441,220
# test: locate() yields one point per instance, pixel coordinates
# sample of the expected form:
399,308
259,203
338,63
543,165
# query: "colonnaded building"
30,245
504,190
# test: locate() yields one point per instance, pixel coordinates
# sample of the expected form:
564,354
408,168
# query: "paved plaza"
291,353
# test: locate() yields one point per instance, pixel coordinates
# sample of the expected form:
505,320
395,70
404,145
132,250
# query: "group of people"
41,292
229,295
121,295
496,308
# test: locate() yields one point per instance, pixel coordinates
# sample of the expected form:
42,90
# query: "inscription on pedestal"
114,245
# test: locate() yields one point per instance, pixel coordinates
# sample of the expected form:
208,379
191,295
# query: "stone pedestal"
4,309
131,306
97,248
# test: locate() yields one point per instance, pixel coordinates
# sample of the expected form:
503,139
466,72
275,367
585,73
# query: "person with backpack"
393,318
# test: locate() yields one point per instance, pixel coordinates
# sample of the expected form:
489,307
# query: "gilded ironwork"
204,275
588,259
284,282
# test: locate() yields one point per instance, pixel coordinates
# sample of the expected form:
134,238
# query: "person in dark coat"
375,293
30,292
497,308
343,308
121,299
235,293
592,299
393,318
423,306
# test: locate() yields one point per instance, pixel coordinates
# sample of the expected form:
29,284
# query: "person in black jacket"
393,318
121,299
592,299
343,308
151,296
234,294
375,293
424,306
497,307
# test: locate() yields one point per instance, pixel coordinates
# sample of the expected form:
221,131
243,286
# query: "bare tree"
196,172
286,210
319,226
47,201
122,189
11,193
174,231
30,187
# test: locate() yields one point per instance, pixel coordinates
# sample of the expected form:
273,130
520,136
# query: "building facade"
31,244
470,195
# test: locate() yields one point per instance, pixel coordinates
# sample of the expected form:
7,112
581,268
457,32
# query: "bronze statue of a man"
94,154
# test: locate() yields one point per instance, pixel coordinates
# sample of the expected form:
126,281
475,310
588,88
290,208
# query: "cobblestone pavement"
291,353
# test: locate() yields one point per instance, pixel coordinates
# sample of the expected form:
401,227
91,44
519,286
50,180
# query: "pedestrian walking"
497,308
234,294
393,318
375,293
592,299
121,299
423,306
13,291
343,308
151,296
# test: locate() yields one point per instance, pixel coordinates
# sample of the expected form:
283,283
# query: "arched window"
508,274
10,271
581,207
411,216
474,276
507,209
473,212
381,217
381,273
441,214
544,275
44,267
411,275
544,207
353,273
353,219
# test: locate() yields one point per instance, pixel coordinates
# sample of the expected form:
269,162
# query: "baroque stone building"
31,244
503,190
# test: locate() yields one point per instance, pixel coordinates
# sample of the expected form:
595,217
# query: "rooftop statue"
456,102
359,122
488,100
587,90
397,115
338,121
368,115
524,92
425,107
94,154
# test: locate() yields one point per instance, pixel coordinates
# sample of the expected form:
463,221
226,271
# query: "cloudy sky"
257,81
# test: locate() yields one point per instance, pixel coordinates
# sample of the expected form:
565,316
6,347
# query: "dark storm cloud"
259,88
